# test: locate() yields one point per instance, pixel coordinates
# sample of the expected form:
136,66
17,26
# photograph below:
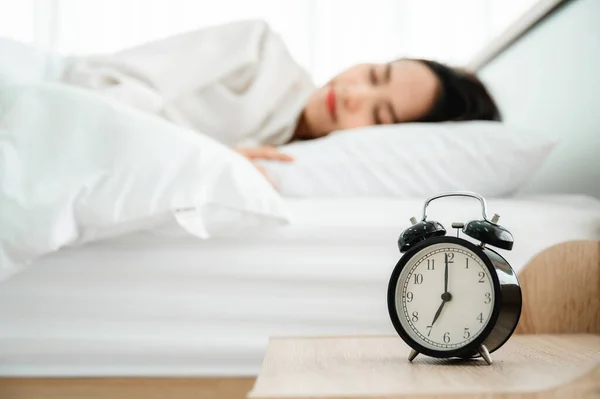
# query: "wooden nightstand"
528,366
556,353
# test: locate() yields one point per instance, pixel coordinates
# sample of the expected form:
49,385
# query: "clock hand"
446,272
437,314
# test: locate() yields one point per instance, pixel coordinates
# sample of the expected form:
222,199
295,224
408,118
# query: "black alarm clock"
450,297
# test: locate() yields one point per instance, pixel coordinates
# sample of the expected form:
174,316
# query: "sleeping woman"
239,84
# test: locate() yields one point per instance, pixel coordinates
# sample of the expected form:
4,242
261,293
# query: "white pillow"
412,160
75,168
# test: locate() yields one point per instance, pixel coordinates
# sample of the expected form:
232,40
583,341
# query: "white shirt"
236,82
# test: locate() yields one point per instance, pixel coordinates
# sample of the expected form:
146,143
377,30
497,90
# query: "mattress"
162,303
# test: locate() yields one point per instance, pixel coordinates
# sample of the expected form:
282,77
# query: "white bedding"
76,167
171,304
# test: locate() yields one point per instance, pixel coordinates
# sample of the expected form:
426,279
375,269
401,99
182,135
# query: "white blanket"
235,82
76,167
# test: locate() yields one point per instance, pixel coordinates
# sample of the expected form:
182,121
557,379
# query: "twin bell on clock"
453,297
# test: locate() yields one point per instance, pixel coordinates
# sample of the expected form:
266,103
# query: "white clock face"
463,309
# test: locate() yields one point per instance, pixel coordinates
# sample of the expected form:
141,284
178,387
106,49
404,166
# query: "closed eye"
376,118
372,76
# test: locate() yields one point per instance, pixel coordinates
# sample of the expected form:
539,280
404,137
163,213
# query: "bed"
166,304
144,306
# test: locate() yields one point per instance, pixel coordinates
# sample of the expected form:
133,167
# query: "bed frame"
561,285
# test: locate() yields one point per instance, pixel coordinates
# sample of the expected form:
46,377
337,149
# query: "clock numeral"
488,298
418,279
429,330
449,257
480,318
415,316
446,337
467,265
409,296
467,334
430,264
481,277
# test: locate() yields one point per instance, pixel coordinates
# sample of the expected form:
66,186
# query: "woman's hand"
267,152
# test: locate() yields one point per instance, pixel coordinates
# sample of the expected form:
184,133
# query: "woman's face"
372,94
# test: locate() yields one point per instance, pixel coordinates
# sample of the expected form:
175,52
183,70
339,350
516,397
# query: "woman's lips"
330,102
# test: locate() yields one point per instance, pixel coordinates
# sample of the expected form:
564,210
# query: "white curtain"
324,35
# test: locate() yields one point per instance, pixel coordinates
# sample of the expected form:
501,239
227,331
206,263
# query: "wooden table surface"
527,366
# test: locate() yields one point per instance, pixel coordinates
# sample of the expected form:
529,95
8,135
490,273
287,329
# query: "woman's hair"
461,96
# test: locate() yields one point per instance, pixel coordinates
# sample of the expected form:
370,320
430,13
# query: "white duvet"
77,167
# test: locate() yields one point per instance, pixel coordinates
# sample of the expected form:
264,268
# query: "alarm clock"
454,297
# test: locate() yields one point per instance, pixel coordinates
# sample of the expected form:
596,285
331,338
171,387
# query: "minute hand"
446,273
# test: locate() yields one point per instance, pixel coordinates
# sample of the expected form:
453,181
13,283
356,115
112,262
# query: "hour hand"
446,296
439,311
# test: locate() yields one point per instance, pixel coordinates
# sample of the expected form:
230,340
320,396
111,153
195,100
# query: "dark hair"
461,97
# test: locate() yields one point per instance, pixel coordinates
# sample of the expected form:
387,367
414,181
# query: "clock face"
444,296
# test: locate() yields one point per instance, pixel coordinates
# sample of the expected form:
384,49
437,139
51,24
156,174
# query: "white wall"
549,81
325,36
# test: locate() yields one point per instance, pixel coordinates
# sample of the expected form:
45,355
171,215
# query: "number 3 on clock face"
444,297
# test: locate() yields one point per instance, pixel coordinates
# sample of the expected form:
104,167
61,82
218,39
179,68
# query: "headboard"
544,72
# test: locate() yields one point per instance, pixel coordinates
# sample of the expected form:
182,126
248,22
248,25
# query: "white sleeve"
235,82
152,74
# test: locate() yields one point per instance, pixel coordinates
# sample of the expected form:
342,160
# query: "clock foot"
485,354
412,355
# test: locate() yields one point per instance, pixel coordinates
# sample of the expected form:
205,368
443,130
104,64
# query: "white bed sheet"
169,304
